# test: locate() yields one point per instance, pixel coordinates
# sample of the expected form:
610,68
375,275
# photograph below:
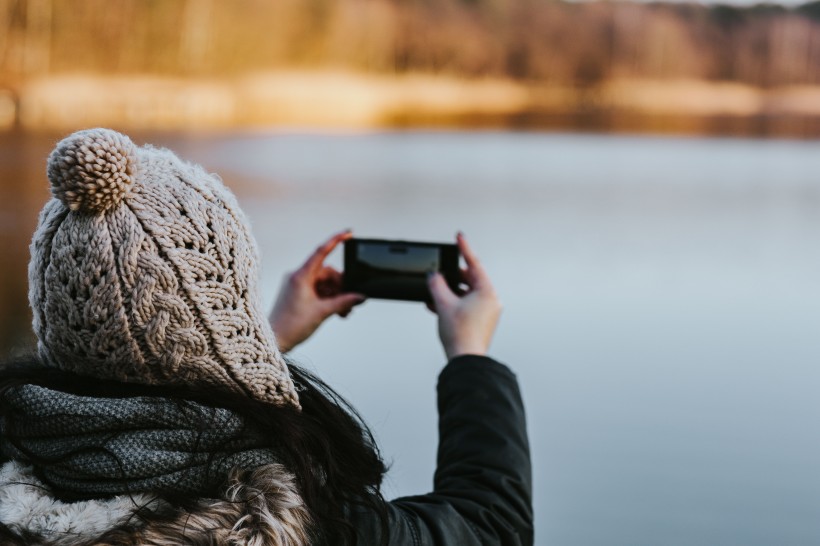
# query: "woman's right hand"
466,323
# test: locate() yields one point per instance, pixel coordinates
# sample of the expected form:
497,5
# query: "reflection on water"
661,296
23,190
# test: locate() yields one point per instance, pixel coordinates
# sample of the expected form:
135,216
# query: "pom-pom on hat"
92,170
143,269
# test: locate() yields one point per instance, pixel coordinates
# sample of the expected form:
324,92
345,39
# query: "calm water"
662,308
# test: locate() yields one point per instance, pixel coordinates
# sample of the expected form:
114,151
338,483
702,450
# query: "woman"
160,410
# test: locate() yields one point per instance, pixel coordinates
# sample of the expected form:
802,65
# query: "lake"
662,309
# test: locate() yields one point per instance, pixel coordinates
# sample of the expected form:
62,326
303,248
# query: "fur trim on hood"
261,507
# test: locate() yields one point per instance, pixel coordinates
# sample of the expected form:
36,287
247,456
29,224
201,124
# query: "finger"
328,283
343,303
315,261
325,290
466,250
329,276
441,293
344,314
476,275
466,277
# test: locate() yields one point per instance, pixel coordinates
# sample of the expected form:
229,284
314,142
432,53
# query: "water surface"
662,304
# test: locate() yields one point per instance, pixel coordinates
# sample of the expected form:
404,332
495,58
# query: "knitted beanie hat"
143,270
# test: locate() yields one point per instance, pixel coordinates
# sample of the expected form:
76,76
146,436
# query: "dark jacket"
482,490
481,496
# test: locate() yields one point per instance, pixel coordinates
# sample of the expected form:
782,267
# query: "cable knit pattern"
143,269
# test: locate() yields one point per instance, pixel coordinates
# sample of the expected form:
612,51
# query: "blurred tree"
810,10
195,35
548,41
36,57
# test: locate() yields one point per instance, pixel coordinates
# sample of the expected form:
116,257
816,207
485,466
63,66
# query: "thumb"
442,295
342,304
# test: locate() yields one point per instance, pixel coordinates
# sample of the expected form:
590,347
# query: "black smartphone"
397,270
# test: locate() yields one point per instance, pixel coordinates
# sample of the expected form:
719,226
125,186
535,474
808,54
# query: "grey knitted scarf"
94,447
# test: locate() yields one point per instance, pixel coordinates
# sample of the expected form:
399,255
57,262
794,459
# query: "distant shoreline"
355,101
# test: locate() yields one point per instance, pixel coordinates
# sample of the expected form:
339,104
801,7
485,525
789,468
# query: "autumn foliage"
545,41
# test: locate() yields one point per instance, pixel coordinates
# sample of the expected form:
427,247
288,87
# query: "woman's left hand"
310,295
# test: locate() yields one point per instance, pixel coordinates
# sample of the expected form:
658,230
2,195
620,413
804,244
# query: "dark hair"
326,445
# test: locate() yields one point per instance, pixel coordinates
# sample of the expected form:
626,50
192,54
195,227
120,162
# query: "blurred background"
642,181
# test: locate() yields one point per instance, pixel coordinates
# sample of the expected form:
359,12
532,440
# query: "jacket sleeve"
482,492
